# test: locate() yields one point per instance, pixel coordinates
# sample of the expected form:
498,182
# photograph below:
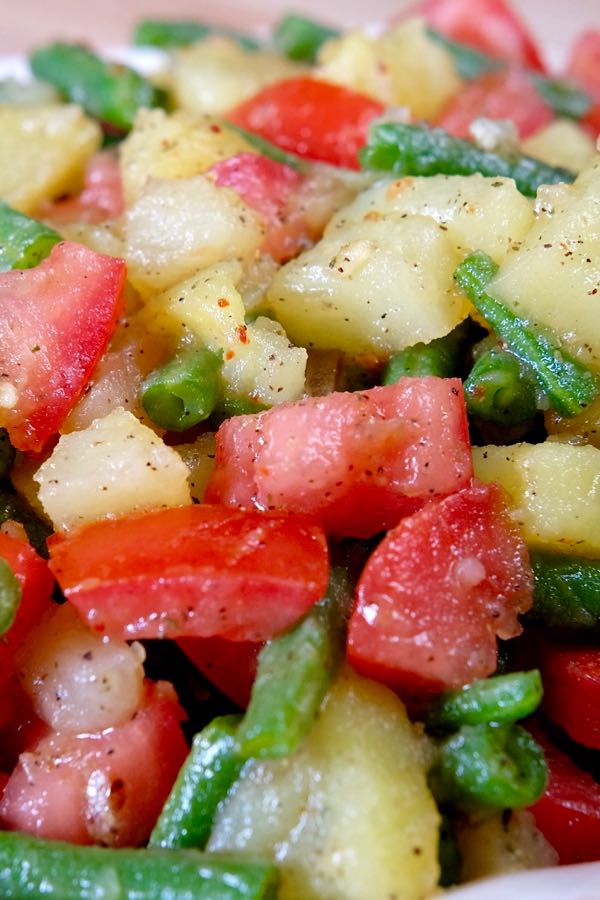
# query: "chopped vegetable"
23,242
181,32
500,700
300,38
497,390
571,673
567,591
440,357
10,596
185,391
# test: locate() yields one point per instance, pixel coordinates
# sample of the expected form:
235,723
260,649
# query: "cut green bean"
236,405
300,38
108,92
567,384
567,591
503,699
34,869
272,151
185,391
563,97
498,390
439,357
10,596
294,673
203,782
165,33
489,767
419,150
24,242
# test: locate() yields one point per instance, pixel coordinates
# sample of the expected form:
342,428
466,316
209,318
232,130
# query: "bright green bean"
567,591
440,357
502,699
24,242
182,32
185,391
300,38
498,390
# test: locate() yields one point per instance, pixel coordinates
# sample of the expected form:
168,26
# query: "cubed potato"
258,359
43,152
176,145
403,67
217,74
555,488
199,457
114,467
495,845
375,286
177,227
553,280
347,817
582,429
562,143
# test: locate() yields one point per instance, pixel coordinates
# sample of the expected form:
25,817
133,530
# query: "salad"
299,460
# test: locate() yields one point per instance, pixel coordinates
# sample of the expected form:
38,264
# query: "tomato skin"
584,62
508,94
92,788
267,187
491,26
437,591
36,584
101,197
229,665
571,676
193,570
568,813
358,461
55,323
314,119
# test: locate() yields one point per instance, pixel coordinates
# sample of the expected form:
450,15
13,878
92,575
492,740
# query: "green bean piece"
33,869
500,700
564,98
203,782
439,357
468,62
489,767
185,391
300,38
24,242
448,854
568,385
108,92
10,596
231,405
294,673
15,508
499,391
272,151
567,591
420,150
165,33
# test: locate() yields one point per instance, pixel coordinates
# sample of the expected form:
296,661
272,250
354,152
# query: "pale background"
25,24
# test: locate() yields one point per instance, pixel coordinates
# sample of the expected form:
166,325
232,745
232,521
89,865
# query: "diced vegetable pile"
300,462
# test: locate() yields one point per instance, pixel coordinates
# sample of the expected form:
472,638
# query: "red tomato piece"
488,25
571,676
568,813
267,187
314,119
508,94
437,591
359,461
90,789
101,197
229,665
55,323
36,585
194,570
584,63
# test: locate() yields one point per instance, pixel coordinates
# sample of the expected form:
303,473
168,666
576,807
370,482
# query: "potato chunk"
494,846
349,816
562,143
43,152
114,467
555,488
554,279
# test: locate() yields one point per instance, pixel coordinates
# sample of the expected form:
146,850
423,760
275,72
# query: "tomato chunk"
358,461
36,585
571,676
583,66
194,570
55,323
488,25
101,197
568,813
314,119
103,788
437,591
229,665
268,187
508,94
